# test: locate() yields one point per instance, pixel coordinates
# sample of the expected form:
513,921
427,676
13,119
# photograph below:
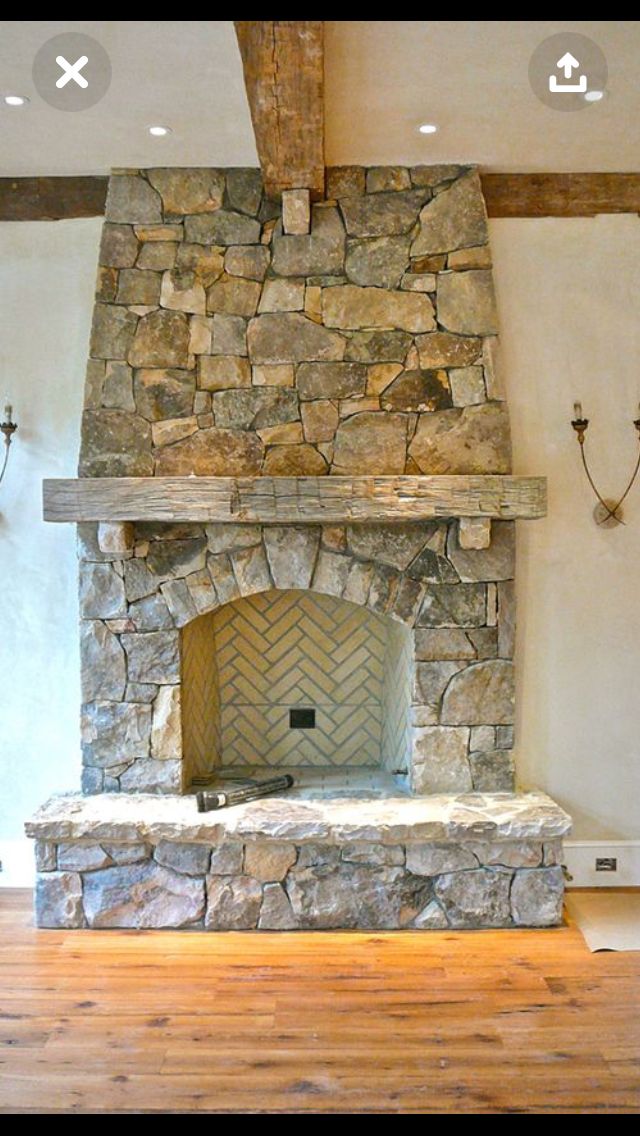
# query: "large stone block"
536,897
213,453
114,732
250,261
82,857
393,544
351,307
371,443
190,190
455,219
102,663
476,899
223,372
234,296
255,408
441,349
439,762
224,227
132,201
161,340
112,331
294,461
354,895
467,303
244,189
431,681
380,262
136,286
182,292
382,214
492,770
320,253
101,592
153,656
143,896
418,391
161,393
146,775
378,346
288,337
233,903
475,439
58,900
269,861
454,605
251,570
483,694
118,246
435,859
292,551
172,558
276,913
115,443
319,420
331,380
188,859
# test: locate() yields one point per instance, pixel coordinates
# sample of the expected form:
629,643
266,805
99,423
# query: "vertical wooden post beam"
283,63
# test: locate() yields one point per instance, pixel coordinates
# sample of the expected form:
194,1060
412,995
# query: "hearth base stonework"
223,348
283,864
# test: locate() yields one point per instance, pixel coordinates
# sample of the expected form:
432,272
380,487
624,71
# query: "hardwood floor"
476,1022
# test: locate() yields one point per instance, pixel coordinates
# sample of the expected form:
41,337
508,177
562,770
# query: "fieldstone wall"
457,603
221,346
283,886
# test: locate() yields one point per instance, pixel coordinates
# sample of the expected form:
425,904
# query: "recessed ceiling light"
427,128
16,100
159,131
593,96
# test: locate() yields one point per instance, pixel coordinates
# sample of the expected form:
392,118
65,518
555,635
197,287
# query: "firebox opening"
295,680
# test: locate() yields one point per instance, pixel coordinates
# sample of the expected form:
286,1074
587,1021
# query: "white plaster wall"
47,277
569,305
568,293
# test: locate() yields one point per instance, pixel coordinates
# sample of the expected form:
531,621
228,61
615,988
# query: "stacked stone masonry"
458,604
470,861
221,346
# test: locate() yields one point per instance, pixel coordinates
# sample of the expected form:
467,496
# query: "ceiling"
383,78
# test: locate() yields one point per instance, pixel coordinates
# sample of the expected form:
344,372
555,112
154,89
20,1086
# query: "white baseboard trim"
580,858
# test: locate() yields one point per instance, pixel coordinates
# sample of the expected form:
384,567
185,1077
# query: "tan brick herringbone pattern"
281,649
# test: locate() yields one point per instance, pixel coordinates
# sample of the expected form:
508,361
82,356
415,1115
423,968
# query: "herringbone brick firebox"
240,375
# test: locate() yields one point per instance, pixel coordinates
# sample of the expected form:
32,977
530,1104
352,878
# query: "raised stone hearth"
475,860
315,513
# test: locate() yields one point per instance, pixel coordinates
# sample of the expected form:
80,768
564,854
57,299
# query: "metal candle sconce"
606,512
8,428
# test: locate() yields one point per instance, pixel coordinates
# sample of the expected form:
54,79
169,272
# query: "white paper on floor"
608,920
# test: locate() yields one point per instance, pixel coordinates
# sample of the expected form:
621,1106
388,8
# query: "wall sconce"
8,428
606,512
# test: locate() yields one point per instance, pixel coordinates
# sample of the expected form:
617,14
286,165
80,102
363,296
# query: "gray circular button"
564,68
72,71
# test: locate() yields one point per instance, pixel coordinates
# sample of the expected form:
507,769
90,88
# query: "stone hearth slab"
336,820
304,863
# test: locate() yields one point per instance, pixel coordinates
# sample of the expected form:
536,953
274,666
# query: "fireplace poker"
208,800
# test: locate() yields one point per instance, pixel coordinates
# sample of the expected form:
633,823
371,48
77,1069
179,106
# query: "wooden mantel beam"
283,62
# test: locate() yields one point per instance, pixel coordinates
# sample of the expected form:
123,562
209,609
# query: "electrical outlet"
606,864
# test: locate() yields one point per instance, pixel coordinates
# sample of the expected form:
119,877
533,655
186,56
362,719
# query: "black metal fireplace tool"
210,799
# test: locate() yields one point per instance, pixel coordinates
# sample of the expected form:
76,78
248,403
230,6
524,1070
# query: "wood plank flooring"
444,1022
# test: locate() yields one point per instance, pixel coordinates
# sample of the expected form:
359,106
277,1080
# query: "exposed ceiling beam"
560,195
52,198
283,62
507,195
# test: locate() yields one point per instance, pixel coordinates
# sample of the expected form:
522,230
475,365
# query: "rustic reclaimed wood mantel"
475,499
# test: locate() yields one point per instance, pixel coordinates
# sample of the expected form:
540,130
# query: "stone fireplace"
225,349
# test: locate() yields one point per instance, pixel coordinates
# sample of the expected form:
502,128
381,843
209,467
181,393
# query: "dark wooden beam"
560,195
283,62
52,198
507,195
